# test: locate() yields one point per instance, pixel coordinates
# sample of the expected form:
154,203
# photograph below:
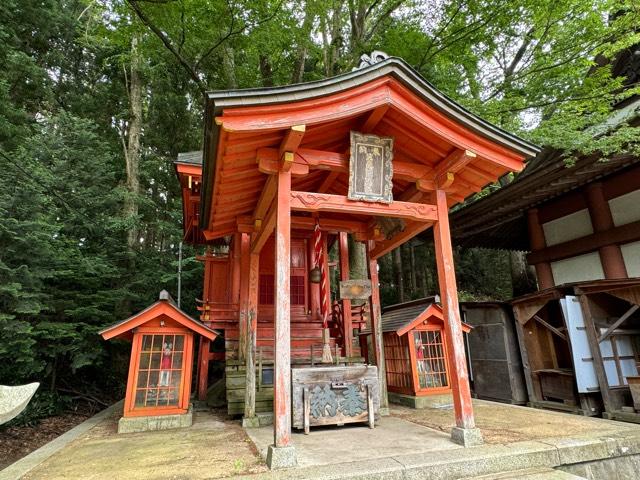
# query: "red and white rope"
319,262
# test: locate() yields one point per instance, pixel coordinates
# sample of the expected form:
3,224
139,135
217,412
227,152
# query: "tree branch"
167,43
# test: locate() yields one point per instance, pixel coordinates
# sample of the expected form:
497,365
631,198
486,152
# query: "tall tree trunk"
357,260
523,279
303,43
265,71
132,150
397,269
412,272
229,66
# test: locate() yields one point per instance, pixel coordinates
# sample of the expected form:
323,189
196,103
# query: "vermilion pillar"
538,242
464,432
602,220
281,454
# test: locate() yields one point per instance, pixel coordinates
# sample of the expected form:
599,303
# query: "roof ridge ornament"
368,60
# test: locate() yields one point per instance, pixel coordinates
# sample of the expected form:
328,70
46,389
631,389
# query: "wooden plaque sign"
355,289
371,168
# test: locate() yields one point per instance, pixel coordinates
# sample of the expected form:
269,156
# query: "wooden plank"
550,327
292,140
454,162
328,181
252,323
618,322
462,406
411,230
267,228
322,202
343,247
245,245
376,325
305,159
266,198
282,371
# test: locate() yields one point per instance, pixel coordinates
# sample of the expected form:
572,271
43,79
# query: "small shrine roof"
403,317
165,306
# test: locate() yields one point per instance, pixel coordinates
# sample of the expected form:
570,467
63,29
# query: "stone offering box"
334,395
159,383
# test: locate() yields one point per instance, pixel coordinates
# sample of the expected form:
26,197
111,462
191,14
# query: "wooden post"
203,369
252,331
463,408
538,242
346,303
611,257
203,351
243,254
376,328
236,255
282,374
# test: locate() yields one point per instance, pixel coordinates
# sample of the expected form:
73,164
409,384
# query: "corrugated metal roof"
192,158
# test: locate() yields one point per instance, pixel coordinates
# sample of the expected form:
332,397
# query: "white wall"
569,227
625,208
631,255
577,269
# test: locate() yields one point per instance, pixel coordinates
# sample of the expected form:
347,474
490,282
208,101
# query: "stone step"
528,474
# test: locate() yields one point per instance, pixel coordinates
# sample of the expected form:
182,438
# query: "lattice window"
266,289
159,371
430,357
297,290
397,362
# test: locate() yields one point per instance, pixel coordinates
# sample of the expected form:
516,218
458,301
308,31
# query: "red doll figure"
165,365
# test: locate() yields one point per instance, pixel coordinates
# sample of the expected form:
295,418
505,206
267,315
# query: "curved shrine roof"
387,98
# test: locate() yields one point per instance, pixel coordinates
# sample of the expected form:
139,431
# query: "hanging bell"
315,275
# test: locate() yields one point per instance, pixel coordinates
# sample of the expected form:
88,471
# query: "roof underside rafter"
436,143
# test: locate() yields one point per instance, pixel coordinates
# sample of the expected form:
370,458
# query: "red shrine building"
288,174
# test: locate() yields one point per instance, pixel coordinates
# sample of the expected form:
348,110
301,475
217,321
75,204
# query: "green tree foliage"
65,115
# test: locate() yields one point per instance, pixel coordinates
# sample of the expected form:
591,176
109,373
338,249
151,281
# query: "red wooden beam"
322,202
266,229
411,230
266,198
463,409
373,119
292,139
329,224
305,159
282,341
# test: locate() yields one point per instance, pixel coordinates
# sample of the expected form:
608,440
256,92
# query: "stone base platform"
426,401
155,422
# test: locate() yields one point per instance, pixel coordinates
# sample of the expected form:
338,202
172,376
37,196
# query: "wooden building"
340,156
415,351
495,367
580,342
581,227
159,381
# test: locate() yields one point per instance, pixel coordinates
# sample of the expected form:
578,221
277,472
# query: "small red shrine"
377,154
415,351
159,382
